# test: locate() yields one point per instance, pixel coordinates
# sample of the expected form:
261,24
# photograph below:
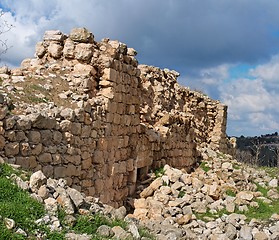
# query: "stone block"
45,158
11,149
55,50
110,74
59,172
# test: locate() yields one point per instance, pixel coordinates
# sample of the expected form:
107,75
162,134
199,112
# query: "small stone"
74,236
273,183
21,232
104,231
76,196
37,179
245,195
9,223
245,233
120,233
185,219
260,236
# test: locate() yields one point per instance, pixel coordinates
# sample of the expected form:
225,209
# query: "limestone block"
110,74
11,149
55,50
70,170
84,70
107,92
57,137
32,162
23,162
81,35
48,170
83,51
75,159
54,35
42,122
34,137
36,149
2,142
99,185
59,172
86,163
37,179
46,137
85,131
40,50
25,149
66,125
76,128
9,122
45,158
69,49
68,114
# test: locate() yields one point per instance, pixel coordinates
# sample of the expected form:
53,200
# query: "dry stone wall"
109,120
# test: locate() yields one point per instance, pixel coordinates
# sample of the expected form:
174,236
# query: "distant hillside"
260,150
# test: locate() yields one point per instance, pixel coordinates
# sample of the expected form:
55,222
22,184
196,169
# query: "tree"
4,28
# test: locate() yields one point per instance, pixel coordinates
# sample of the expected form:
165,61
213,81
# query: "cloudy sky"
227,49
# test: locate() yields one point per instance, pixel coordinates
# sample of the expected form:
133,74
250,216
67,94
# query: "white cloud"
268,71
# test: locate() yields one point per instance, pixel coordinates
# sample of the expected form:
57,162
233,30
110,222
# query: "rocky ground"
222,199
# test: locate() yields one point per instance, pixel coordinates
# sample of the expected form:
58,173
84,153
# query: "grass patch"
261,189
264,211
208,215
90,224
236,166
145,233
230,192
271,171
159,172
17,205
181,194
204,166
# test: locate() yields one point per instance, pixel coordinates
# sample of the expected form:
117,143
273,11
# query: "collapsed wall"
100,120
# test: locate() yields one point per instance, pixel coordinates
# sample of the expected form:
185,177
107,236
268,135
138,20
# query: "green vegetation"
90,224
208,215
159,172
17,205
264,211
181,194
236,166
204,166
261,189
271,171
230,192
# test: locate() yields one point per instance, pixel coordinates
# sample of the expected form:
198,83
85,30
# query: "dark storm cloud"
169,33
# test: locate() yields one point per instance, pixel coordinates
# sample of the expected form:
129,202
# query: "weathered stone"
37,179
54,35
245,195
69,49
81,35
40,49
55,50
83,51
76,196
11,149
245,233
9,223
104,231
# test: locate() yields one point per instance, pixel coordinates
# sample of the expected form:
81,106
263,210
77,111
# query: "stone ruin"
101,120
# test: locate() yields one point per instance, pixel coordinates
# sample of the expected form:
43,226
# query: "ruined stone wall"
108,120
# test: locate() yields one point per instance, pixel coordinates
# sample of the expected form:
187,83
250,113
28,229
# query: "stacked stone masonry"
119,120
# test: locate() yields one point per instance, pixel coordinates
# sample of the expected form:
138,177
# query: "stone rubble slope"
172,205
57,195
